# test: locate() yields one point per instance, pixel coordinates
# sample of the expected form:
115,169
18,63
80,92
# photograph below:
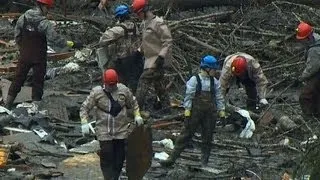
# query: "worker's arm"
260,79
191,87
312,64
111,35
87,105
218,96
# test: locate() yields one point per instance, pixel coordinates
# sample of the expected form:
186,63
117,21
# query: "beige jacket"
121,42
254,70
156,41
107,126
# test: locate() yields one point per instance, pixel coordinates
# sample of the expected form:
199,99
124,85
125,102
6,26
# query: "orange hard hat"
139,5
46,2
110,77
303,30
239,66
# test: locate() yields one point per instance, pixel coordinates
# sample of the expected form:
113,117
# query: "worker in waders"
32,33
202,102
310,95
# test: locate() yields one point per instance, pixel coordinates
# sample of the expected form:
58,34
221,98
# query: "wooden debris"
195,40
164,124
60,56
266,119
200,18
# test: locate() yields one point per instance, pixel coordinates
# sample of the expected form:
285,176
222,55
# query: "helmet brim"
301,37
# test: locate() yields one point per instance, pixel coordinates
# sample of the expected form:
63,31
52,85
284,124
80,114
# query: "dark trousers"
39,71
151,77
130,69
112,156
251,91
310,97
204,114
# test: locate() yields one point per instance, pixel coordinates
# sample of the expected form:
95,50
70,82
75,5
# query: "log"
195,4
164,124
197,18
283,121
231,108
197,41
181,5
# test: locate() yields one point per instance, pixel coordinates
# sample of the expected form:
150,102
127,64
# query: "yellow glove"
84,121
70,44
187,113
222,114
136,112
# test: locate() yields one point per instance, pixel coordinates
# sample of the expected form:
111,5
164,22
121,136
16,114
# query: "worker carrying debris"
32,33
309,96
202,101
156,48
114,105
246,71
119,48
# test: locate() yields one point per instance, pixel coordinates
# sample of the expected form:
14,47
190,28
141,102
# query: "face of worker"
110,88
211,72
307,41
141,15
45,9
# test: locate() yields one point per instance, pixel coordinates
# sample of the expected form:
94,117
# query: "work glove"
187,113
222,114
85,129
137,117
222,120
263,101
138,120
159,62
76,45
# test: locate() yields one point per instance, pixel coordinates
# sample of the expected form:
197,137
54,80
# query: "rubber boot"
204,159
9,102
252,106
171,160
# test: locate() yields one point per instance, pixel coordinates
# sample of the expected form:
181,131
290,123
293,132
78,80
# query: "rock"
48,164
285,123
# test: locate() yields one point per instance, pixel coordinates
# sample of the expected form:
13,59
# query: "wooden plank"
60,56
266,119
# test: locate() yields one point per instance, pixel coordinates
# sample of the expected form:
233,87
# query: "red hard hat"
303,30
139,5
110,77
239,66
46,2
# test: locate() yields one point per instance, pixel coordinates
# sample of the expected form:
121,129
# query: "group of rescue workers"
117,103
